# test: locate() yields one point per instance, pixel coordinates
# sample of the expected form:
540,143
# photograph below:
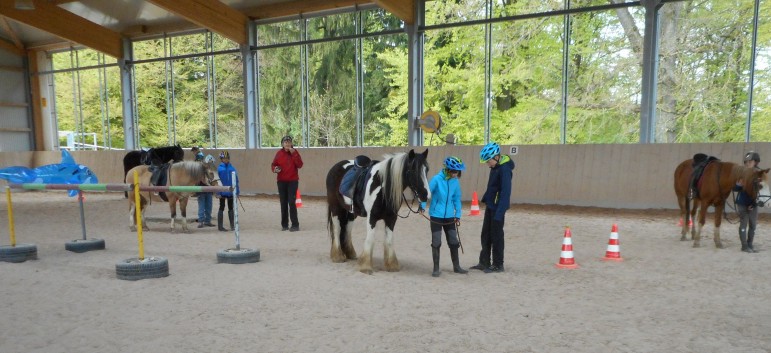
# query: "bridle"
412,185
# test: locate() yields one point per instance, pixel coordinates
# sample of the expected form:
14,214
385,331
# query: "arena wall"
611,176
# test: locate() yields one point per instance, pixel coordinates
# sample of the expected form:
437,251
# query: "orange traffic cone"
614,250
474,205
566,256
298,200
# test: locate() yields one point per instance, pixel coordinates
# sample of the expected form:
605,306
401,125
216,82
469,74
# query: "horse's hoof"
696,245
338,259
720,246
394,269
133,229
366,272
683,239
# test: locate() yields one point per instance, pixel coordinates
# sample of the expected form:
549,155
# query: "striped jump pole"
81,187
84,244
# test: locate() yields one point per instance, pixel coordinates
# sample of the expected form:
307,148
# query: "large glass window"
526,82
454,82
87,102
760,128
385,91
705,50
603,79
281,95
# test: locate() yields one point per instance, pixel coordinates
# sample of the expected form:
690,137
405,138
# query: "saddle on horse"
700,162
353,183
159,176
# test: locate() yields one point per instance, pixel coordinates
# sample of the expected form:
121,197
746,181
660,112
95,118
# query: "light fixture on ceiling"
24,4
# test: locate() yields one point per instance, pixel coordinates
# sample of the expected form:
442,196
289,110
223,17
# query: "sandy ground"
665,297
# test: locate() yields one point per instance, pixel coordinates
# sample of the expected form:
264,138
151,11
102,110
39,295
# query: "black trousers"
492,240
222,203
448,226
287,194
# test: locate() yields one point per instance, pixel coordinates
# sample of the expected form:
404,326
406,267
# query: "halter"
412,185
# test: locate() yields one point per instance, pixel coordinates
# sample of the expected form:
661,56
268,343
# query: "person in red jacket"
286,165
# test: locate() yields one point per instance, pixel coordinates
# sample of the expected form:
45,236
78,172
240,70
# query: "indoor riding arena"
594,260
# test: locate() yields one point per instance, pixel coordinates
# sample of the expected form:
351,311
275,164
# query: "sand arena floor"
665,297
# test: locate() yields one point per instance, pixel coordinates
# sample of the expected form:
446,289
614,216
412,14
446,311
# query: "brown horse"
178,174
717,181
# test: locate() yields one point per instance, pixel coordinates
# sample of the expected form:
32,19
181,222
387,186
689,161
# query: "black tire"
134,269
238,256
18,253
83,245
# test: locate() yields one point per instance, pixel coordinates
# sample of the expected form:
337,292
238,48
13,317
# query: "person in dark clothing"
747,207
497,199
286,165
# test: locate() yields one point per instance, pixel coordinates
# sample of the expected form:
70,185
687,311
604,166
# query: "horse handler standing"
747,207
286,165
445,212
225,171
497,199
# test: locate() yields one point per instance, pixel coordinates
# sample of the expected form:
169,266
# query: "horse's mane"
745,174
391,171
196,170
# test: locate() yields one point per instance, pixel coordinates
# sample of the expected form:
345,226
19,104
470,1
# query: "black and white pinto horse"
383,192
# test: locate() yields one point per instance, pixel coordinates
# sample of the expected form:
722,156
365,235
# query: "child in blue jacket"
445,211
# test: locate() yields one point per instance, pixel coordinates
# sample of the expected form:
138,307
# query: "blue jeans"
204,207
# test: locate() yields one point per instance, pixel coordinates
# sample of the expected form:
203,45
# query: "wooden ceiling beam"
55,20
299,7
403,9
7,27
210,14
12,48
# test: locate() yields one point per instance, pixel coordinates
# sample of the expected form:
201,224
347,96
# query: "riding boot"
743,239
750,238
435,255
219,221
454,255
230,218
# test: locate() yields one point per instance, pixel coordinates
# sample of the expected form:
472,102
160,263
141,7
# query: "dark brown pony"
185,173
717,181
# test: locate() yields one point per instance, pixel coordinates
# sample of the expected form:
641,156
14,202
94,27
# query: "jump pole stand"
133,269
84,244
237,255
15,252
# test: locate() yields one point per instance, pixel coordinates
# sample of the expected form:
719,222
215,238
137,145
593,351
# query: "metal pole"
82,214
748,131
565,73
488,70
235,208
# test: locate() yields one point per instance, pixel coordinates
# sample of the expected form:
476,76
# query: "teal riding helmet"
489,151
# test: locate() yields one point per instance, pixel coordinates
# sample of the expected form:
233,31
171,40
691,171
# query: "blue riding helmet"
224,154
454,163
489,151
